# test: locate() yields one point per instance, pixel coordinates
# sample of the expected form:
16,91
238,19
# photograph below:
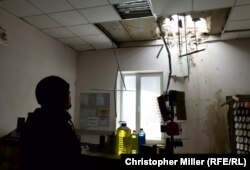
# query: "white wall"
98,70
29,56
221,70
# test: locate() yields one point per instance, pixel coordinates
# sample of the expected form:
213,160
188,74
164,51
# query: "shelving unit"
239,124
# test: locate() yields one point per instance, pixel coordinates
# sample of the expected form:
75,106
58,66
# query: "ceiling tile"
87,3
199,5
100,46
73,41
145,29
230,35
87,29
166,7
19,8
82,47
238,25
41,21
96,39
118,30
244,34
240,13
235,35
49,6
69,18
242,2
58,32
101,14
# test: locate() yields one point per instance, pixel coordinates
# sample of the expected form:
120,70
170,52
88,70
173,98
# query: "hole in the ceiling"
179,28
175,22
145,28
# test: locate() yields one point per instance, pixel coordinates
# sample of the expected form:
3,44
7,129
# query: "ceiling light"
134,9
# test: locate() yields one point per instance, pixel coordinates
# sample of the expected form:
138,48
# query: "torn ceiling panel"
116,31
140,29
146,29
216,19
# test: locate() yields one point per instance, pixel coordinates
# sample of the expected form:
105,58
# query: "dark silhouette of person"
48,139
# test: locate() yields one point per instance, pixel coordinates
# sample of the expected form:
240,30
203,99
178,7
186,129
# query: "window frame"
119,97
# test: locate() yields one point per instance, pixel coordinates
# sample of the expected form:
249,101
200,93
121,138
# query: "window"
137,105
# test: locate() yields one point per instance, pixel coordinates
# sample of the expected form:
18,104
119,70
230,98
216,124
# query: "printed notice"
94,110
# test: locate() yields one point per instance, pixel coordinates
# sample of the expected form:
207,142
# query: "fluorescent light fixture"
134,9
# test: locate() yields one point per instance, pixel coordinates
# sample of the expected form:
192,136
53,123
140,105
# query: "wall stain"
192,62
217,125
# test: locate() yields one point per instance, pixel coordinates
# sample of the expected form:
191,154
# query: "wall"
98,70
221,70
29,56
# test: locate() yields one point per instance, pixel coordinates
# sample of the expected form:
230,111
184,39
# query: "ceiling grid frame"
233,28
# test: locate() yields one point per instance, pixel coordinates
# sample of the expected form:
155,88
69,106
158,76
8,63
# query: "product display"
239,125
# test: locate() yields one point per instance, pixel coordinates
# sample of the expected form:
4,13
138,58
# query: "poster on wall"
94,110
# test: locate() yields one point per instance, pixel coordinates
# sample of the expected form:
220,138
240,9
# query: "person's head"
53,92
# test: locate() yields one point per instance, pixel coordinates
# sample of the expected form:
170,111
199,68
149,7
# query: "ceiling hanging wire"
118,71
114,90
169,55
195,35
179,34
186,45
3,36
118,65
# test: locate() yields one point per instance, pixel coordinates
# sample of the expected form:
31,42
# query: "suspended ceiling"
95,24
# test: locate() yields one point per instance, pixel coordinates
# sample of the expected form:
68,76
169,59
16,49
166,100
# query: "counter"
98,160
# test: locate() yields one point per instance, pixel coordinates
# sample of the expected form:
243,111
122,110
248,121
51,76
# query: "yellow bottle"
123,135
134,143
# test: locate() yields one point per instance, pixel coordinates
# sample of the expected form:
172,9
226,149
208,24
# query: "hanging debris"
3,36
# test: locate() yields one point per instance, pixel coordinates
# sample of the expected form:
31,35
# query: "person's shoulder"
32,117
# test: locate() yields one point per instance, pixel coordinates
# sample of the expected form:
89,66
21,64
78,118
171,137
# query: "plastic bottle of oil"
134,143
123,135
